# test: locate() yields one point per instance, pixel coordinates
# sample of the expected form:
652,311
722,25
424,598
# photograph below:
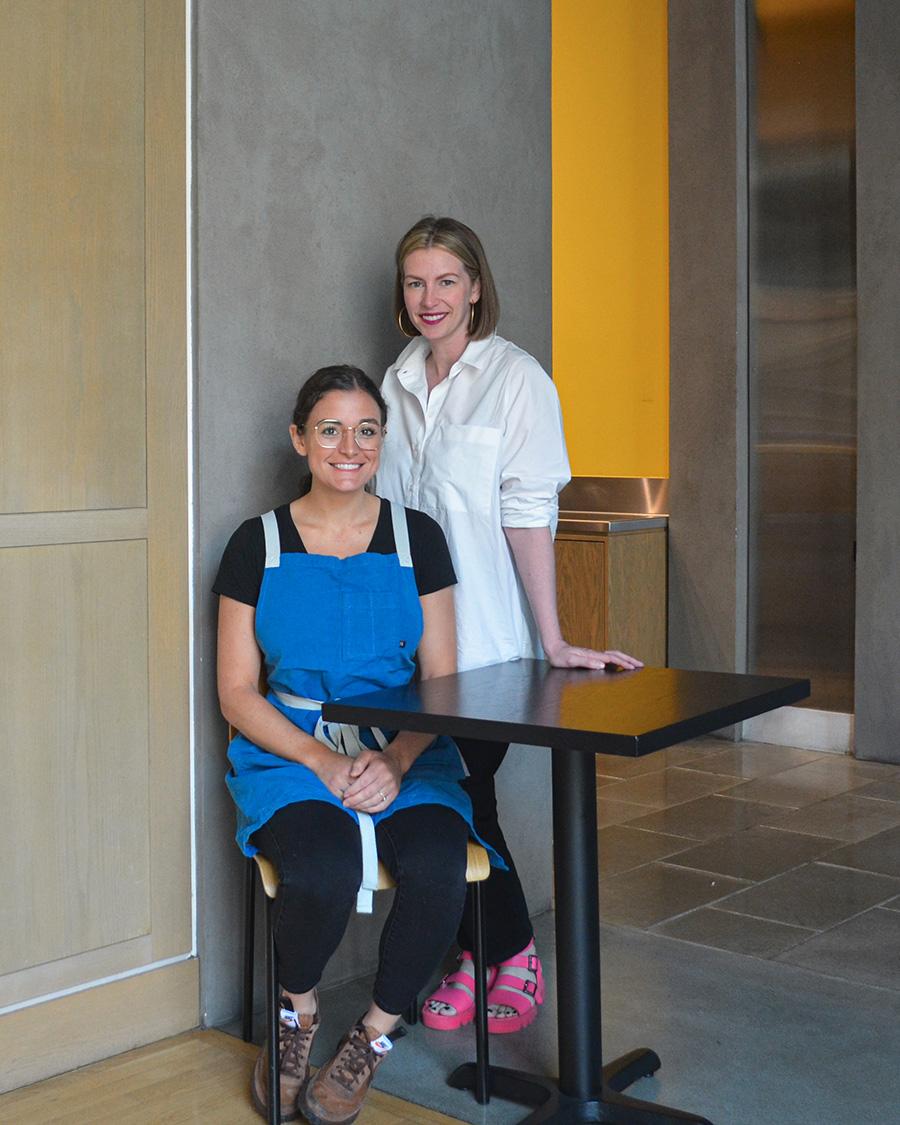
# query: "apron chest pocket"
373,626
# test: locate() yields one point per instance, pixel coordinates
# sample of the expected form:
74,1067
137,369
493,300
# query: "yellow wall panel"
610,234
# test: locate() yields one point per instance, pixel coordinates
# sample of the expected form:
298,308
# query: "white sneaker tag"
289,1016
381,1045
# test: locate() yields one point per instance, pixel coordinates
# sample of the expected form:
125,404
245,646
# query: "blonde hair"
463,243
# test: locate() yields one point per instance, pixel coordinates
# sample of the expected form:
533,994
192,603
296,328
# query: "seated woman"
337,593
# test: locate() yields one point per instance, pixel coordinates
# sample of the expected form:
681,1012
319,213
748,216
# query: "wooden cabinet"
612,591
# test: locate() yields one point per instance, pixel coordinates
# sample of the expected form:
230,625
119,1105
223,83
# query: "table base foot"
552,1105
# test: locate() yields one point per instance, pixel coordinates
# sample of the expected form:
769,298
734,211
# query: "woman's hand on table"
375,778
563,655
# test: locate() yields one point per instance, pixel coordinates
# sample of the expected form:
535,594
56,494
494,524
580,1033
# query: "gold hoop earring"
472,317
408,335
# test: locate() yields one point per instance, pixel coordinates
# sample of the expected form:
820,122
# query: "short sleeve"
243,562
431,560
535,465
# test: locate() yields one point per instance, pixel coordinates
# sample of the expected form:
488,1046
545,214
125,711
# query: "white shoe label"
381,1045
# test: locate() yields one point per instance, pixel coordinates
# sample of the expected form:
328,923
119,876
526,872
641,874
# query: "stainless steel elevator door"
802,439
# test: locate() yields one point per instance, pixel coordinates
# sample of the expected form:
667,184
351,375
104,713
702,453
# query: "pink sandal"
457,991
510,991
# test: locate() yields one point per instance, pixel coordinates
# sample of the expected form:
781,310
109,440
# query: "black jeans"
317,851
507,925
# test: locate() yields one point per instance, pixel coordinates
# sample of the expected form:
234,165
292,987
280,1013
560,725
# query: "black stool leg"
482,1078
272,1005
249,928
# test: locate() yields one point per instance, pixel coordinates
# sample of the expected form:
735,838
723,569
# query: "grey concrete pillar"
878,380
708,342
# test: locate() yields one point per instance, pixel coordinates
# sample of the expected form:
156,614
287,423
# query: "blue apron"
328,628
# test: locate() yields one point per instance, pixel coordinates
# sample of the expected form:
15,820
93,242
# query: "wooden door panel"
72,298
74,696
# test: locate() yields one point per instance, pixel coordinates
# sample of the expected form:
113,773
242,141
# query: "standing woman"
335,594
477,443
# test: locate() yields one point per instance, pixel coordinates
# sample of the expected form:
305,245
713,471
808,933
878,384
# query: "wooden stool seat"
478,868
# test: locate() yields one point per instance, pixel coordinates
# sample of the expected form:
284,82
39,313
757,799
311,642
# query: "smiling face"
346,467
438,294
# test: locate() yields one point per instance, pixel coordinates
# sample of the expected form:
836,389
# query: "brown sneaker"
337,1092
294,1045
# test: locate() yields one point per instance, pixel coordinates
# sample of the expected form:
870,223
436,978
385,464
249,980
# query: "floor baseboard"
830,731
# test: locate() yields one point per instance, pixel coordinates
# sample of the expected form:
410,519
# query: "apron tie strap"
369,864
344,738
341,737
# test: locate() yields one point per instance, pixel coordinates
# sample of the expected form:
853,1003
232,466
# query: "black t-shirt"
244,559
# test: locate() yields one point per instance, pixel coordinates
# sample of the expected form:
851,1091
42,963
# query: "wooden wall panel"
581,591
95,810
97,1023
167,488
637,604
611,591
72,395
73,645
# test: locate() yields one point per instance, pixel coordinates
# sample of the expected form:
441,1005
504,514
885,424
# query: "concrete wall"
708,336
878,294
323,131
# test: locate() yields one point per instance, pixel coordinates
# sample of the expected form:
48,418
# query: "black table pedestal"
586,1090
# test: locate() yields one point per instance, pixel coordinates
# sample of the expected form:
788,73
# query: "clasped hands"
367,783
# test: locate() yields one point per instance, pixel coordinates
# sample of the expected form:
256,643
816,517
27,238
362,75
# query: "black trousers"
507,925
317,851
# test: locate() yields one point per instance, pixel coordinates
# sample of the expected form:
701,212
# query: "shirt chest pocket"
464,462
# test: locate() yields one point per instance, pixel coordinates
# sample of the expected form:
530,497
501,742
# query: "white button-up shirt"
484,451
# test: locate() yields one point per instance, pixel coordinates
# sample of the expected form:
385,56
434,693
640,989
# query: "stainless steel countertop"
605,505
607,523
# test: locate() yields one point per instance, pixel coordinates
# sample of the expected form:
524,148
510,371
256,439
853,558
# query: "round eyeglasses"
367,435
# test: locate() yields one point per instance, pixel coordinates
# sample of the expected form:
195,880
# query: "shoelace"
293,1044
355,1062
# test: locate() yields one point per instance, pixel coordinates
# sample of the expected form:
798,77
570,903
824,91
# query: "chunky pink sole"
508,991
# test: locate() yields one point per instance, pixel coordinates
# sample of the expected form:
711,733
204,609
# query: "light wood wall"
95,828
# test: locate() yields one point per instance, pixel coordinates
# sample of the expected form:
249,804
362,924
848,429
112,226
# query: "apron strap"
345,739
369,864
342,737
273,540
401,534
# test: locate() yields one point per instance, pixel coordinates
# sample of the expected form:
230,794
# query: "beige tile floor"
771,851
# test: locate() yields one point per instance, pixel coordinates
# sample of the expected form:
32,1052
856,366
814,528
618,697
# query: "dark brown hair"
338,377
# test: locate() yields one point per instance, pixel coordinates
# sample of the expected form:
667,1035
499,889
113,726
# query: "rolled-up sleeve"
535,464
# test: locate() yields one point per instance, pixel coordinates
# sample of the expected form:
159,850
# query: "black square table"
578,714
